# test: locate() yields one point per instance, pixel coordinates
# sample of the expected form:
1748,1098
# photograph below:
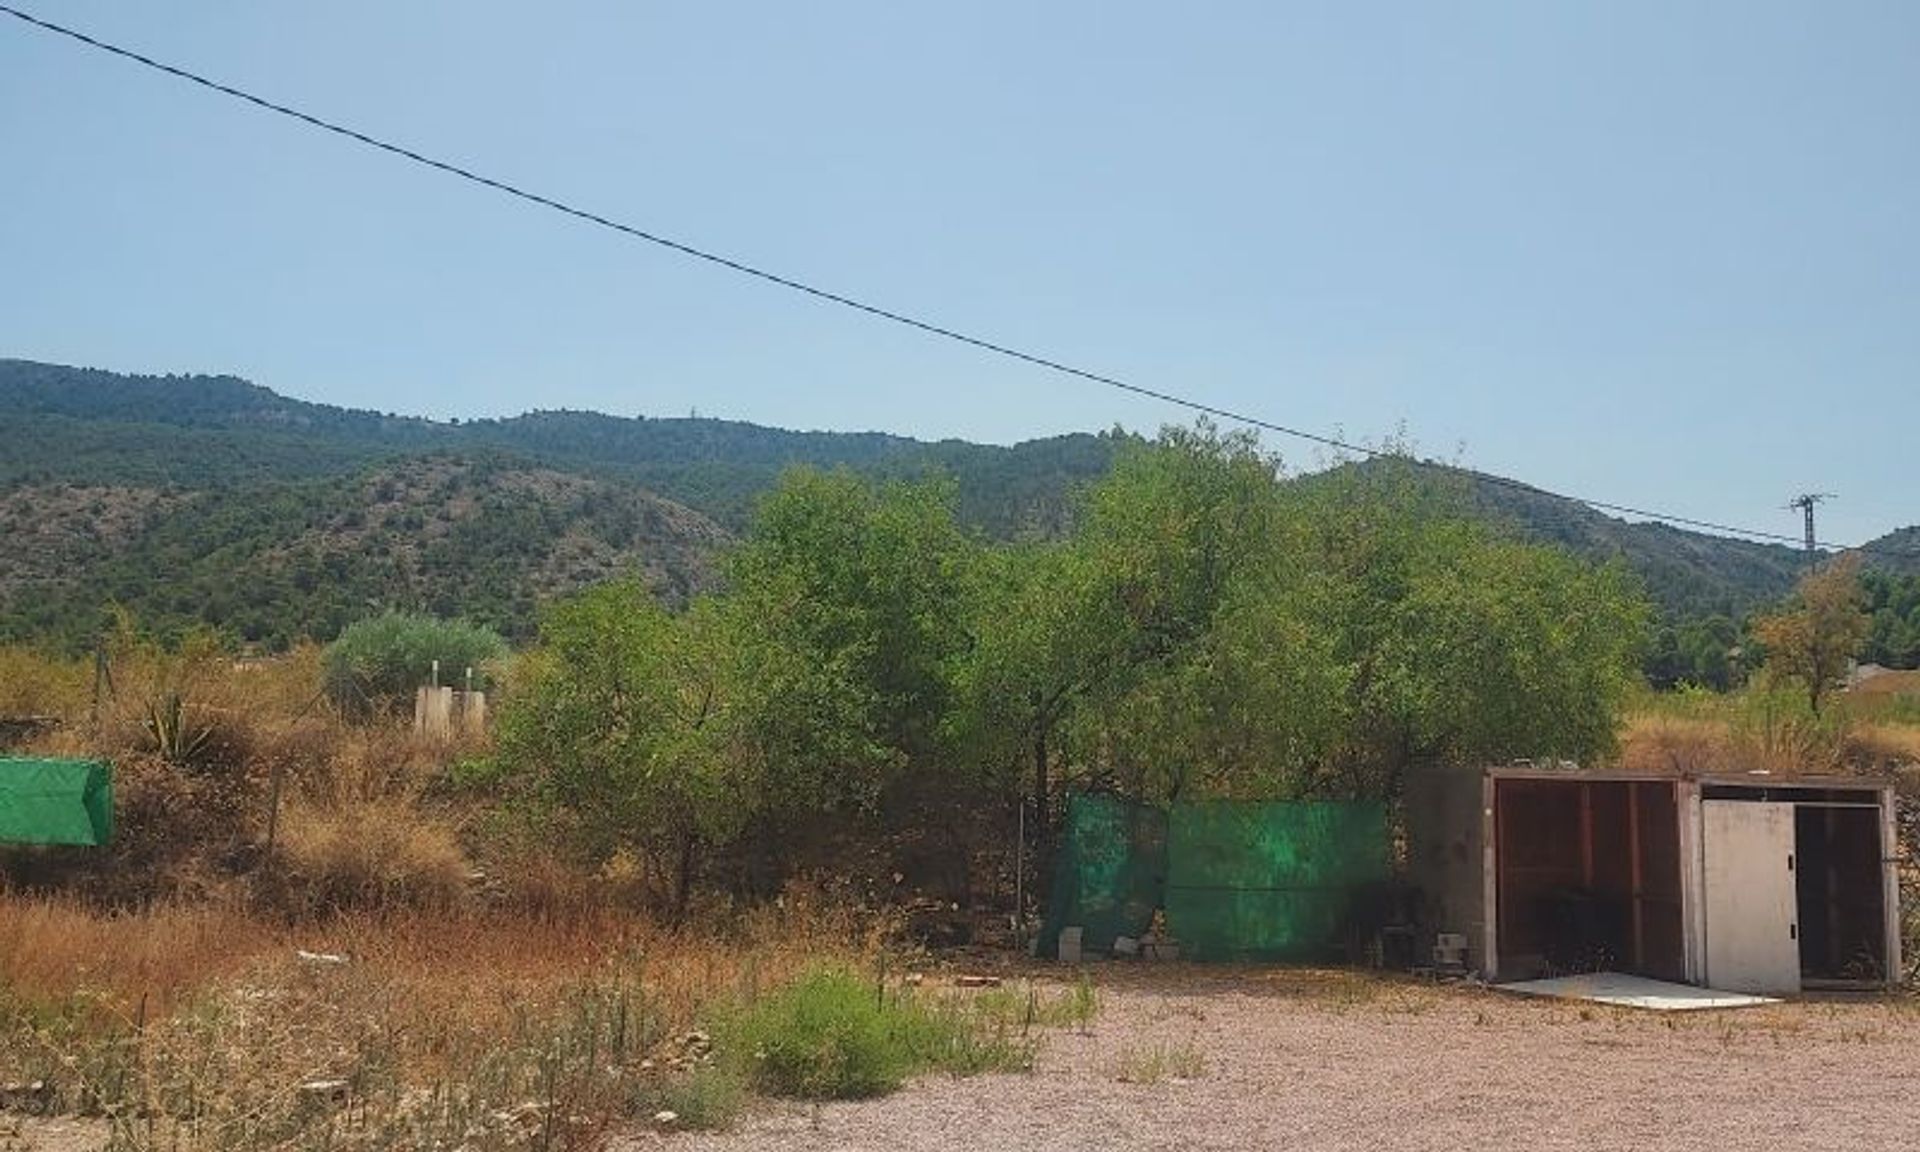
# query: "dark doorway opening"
1842,909
1588,877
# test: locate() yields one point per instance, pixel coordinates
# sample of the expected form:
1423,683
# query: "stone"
1070,944
332,1090
26,1096
320,959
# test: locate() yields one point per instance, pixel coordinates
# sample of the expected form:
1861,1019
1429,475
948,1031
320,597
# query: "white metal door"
1752,931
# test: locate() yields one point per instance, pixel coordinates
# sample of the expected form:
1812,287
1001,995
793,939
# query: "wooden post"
1020,877
1586,835
99,682
1489,875
1693,911
1890,882
273,807
1638,897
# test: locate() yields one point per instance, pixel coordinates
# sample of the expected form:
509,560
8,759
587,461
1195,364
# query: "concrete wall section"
1446,855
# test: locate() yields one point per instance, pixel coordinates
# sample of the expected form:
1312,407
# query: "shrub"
827,1036
835,1035
380,661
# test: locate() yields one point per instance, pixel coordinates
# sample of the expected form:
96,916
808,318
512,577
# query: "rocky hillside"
484,537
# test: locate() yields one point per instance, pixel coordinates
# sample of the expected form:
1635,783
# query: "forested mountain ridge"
212,499
85,426
1687,573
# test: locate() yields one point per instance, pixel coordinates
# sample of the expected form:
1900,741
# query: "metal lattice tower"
1805,502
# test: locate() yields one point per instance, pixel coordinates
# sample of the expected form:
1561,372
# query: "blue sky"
1659,254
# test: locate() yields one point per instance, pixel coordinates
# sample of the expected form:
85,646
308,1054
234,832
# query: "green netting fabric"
1237,880
1110,872
55,801
1270,881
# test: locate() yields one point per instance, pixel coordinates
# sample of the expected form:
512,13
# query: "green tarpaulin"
1237,880
55,801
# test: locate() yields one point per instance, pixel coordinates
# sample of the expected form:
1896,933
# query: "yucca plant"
167,727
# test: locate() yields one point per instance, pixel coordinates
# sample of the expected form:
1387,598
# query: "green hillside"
84,426
208,499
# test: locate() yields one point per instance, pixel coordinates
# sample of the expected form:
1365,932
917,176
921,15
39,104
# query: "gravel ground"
1305,1061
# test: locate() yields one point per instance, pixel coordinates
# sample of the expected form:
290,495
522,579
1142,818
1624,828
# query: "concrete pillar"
433,712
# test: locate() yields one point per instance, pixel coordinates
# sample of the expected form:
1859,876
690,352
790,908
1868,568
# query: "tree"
379,661
1812,641
625,723
1042,637
1461,645
1894,601
861,582
1215,631
845,597
872,676
1705,645
1067,636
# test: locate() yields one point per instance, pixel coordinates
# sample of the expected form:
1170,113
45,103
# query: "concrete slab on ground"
1623,990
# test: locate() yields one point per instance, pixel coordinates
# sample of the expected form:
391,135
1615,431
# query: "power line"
901,318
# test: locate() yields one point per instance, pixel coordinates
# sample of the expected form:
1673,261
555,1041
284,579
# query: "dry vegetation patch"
208,1028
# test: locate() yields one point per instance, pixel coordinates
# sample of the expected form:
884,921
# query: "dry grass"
1758,729
368,854
35,684
1885,743
355,829
196,1027
1153,1063
56,953
1652,742
1890,684
353,826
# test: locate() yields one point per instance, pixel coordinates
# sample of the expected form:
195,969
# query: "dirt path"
1327,1061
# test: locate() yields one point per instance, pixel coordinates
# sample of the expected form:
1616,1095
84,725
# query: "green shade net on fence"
55,802
1271,881
1109,874
1239,881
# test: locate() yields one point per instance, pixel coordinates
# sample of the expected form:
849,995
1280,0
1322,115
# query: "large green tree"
1215,630
860,583
1076,644
626,728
